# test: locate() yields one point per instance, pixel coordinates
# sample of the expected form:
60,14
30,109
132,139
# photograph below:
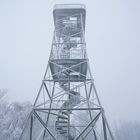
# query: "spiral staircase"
62,121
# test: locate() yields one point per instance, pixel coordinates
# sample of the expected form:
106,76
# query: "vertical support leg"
104,128
94,133
68,126
31,126
69,107
108,127
96,94
49,110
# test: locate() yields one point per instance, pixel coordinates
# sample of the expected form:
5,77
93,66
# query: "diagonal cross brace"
95,119
42,122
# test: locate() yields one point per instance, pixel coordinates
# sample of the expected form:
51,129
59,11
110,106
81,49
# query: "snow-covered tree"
12,117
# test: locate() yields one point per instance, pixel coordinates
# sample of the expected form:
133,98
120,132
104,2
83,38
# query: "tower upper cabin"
68,41
69,15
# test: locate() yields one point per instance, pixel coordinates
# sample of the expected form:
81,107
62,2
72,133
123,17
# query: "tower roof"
69,6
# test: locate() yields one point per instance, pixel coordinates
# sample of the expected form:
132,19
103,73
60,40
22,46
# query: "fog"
113,46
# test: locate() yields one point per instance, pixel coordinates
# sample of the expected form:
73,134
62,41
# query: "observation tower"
67,106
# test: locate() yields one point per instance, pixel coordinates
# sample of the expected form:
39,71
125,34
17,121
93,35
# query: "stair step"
63,132
61,125
65,113
61,121
63,117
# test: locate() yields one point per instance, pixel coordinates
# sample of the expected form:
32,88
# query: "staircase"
62,122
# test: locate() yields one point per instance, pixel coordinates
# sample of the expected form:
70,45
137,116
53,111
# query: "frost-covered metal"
67,106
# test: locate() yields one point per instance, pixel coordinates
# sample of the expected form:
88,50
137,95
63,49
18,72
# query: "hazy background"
113,45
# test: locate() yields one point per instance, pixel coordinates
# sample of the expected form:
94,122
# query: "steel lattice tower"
67,106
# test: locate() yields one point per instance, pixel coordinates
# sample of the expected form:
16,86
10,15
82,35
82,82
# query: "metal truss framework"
67,106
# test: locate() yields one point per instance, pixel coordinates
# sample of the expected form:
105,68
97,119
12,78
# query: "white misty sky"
113,45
